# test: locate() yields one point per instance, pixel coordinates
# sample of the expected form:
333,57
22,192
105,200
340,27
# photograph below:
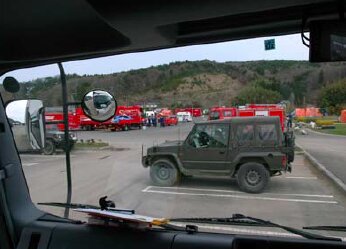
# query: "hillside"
201,83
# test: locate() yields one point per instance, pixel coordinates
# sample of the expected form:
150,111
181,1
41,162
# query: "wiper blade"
240,217
327,228
222,221
67,205
291,229
83,206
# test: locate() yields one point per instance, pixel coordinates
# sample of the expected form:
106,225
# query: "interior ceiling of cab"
42,32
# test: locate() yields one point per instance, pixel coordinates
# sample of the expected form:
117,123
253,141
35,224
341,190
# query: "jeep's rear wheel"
164,173
252,177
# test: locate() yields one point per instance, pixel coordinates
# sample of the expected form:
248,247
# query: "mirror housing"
11,85
99,105
327,41
26,118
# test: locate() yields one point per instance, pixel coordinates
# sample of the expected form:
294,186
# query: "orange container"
313,112
300,112
343,116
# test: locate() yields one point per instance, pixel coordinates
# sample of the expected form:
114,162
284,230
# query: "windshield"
261,158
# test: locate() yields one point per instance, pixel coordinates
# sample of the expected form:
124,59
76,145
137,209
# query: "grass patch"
340,129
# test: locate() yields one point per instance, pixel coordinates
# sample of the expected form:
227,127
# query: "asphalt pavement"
304,197
329,150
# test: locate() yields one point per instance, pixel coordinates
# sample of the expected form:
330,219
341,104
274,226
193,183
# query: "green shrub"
306,119
321,122
333,97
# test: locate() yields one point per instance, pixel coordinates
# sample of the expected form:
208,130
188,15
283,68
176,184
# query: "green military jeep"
250,149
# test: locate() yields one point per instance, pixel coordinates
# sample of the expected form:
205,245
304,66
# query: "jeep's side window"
198,138
209,136
219,135
245,134
266,133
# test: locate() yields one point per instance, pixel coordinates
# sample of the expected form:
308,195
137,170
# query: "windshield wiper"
83,206
67,205
327,228
237,219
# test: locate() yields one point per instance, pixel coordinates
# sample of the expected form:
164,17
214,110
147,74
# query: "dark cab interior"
43,32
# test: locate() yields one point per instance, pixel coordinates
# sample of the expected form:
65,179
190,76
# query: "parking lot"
304,197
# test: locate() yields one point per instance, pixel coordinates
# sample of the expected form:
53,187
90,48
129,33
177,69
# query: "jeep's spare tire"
252,177
164,173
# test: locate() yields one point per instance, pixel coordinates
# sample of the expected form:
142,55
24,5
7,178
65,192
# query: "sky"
288,47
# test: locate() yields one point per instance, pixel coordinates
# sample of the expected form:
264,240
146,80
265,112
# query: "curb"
110,148
93,148
323,169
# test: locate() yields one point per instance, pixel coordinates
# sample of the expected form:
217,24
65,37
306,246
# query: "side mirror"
26,118
99,105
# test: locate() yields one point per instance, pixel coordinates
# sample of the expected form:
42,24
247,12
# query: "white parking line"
43,156
247,197
28,164
145,190
148,189
302,177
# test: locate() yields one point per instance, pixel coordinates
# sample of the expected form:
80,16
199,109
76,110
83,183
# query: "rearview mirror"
99,105
26,118
327,41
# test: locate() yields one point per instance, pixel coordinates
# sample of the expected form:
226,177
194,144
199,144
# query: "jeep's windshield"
263,134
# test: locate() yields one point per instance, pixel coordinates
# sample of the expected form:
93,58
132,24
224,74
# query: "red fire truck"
222,112
127,117
85,122
268,106
55,114
249,110
195,112
264,111
169,118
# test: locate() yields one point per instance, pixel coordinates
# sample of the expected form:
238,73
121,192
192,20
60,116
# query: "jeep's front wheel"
164,173
252,177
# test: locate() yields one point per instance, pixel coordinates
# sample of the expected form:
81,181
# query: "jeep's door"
206,148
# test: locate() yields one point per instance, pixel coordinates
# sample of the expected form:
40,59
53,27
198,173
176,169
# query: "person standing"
162,121
149,121
289,120
154,121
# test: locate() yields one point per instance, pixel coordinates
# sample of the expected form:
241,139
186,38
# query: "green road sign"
269,44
